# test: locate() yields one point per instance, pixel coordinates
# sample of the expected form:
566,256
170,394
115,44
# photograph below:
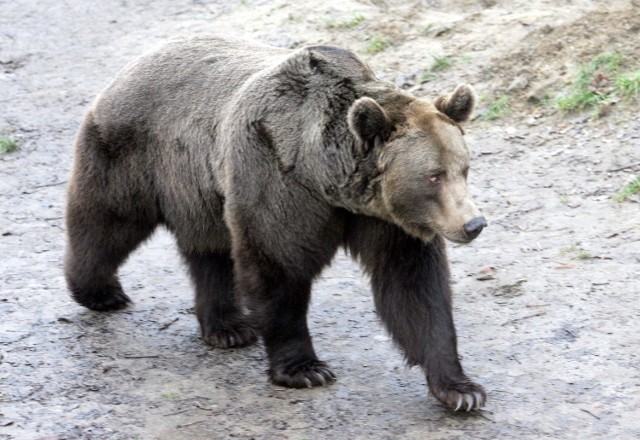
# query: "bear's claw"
240,336
468,400
463,395
309,374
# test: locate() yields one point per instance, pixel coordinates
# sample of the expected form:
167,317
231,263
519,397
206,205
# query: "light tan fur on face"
456,208
437,149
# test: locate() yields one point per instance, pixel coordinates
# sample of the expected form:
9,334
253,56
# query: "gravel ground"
546,299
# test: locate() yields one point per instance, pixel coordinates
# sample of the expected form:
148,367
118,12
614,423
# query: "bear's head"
423,163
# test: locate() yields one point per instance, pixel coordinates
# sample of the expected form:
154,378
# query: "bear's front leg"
279,300
282,236
410,281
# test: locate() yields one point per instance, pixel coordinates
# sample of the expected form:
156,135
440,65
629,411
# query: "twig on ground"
176,413
191,424
145,356
590,413
166,325
50,184
632,165
202,407
511,321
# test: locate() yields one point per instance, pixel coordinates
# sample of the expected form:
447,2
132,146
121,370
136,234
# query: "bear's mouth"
457,238
426,234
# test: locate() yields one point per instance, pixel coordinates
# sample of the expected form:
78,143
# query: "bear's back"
188,79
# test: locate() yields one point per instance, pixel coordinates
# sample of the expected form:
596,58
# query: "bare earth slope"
546,299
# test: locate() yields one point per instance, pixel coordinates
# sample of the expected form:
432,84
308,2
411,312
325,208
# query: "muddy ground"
546,299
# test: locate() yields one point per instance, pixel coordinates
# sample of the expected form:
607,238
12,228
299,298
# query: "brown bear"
263,162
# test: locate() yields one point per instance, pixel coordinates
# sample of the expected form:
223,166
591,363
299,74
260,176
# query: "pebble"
518,83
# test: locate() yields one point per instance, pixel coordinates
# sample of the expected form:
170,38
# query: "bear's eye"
436,178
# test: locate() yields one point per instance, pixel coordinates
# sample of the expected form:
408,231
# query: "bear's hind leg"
111,209
221,323
96,248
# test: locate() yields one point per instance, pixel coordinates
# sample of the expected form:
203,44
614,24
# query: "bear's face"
423,165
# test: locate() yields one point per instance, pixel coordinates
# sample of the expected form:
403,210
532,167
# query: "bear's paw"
459,395
106,297
308,374
240,335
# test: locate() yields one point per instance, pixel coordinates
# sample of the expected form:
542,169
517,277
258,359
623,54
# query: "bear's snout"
474,227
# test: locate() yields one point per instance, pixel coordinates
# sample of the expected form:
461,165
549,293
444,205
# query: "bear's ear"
458,105
368,122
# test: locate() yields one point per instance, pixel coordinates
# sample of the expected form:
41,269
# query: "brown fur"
263,162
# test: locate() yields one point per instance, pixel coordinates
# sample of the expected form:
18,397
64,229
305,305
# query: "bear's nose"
474,227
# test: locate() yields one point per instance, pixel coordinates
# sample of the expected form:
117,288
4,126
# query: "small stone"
540,91
518,83
546,29
438,31
511,290
485,274
405,80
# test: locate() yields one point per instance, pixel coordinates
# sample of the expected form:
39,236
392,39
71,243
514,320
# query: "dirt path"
551,330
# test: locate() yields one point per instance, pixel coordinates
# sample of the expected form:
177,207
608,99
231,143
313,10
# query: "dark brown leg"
280,300
221,323
410,281
110,211
97,246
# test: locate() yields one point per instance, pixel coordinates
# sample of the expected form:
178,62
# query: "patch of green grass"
376,45
171,395
466,58
497,109
577,253
628,85
597,82
346,25
629,189
7,145
569,249
546,102
441,63
610,61
427,28
427,77
580,100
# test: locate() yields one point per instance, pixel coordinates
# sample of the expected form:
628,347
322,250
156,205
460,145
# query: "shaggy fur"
263,162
